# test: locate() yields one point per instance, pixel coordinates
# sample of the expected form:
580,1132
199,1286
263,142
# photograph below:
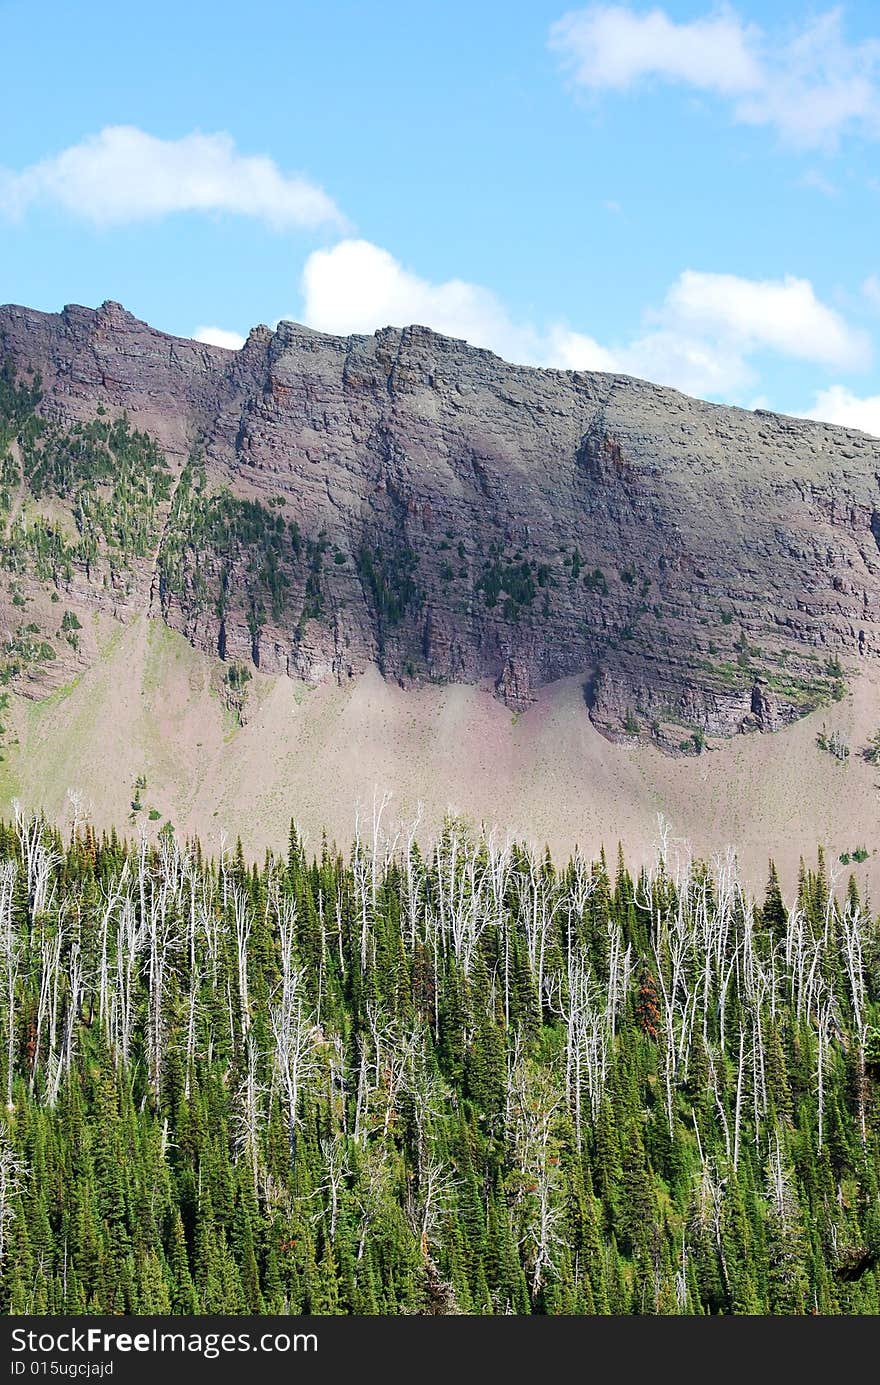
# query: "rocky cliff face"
407,500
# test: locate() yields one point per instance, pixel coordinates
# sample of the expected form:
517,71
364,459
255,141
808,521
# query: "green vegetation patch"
470,1081
112,477
511,581
388,574
216,542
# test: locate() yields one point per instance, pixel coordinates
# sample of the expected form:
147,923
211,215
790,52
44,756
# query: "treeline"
466,1081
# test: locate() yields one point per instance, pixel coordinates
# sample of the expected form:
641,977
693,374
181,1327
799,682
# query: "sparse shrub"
237,677
595,581
694,744
834,744
872,751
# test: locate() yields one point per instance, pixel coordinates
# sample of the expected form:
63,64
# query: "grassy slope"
150,707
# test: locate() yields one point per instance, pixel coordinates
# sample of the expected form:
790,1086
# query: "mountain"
318,508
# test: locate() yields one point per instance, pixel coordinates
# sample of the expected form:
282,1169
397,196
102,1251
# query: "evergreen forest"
462,1079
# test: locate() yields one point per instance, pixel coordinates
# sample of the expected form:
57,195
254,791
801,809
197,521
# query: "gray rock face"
453,517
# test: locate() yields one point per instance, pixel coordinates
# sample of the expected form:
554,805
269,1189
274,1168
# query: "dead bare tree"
336,1169
242,921
250,1115
13,1177
293,1030
533,1109
852,928
10,964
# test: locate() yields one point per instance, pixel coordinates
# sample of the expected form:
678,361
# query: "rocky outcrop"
422,505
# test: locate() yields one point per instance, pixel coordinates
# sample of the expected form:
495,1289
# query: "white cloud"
701,339
837,404
709,367
358,287
563,349
871,291
782,315
123,174
612,47
811,88
219,336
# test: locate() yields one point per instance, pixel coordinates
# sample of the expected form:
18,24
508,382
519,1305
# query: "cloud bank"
700,339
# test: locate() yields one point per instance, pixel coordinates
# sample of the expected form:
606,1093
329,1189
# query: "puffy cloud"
782,315
837,404
700,339
356,286
564,349
123,175
811,89
218,336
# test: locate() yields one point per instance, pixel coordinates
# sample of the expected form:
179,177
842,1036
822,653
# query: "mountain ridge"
409,501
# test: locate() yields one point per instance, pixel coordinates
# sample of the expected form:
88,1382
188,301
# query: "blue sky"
683,191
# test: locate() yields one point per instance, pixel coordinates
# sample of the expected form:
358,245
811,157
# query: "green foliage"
858,854
18,423
111,477
595,581
218,548
387,573
238,676
834,743
510,581
21,651
519,1087
695,743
